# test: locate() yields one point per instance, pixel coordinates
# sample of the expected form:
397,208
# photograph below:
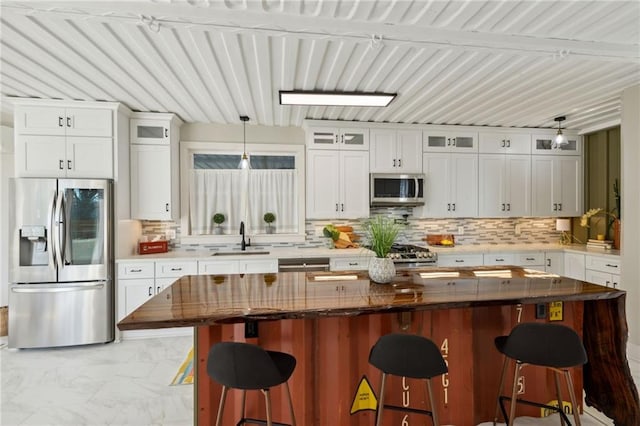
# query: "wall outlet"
518,230
460,230
170,234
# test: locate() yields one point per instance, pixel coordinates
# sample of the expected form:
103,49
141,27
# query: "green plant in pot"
218,219
381,232
269,218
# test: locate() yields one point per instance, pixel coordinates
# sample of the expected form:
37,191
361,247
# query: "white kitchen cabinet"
554,262
61,121
557,185
460,259
451,188
602,270
504,143
449,141
154,167
574,266
138,282
258,266
542,144
248,266
533,260
359,263
338,138
504,185
498,259
395,151
337,184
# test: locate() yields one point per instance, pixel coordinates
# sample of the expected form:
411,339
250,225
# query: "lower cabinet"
460,260
554,262
574,266
256,266
360,263
602,270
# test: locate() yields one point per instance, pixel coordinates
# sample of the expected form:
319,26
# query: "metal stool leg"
434,409
572,395
223,398
293,417
380,401
502,375
267,403
558,394
514,394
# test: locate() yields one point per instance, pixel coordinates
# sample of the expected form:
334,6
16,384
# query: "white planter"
381,270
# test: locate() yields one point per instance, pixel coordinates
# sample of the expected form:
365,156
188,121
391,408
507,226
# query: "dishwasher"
310,264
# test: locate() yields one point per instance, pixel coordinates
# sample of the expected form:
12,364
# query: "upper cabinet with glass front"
449,141
151,131
338,138
542,144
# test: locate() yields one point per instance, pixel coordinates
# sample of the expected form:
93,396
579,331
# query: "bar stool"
249,367
552,346
407,355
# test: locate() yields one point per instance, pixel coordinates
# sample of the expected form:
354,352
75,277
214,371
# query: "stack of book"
600,244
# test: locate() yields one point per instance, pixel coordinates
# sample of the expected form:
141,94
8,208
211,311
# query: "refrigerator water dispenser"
33,246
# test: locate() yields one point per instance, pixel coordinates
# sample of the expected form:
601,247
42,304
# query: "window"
211,183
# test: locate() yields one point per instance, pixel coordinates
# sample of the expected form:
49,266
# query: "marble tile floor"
124,383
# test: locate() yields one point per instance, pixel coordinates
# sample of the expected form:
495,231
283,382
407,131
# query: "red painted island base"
332,355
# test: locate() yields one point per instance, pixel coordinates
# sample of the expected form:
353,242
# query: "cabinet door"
89,157
323,184
554,262
464,185
40,156
506,143
383,151
89,122
465,141
568,185
354,139
133,293
518,185
155,132
491,182
354,192
262,266
322,138
409,151
151,183
218,267
542,192
437,193
542,145
40,121
574,266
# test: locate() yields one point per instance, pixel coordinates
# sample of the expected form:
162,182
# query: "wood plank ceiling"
494,63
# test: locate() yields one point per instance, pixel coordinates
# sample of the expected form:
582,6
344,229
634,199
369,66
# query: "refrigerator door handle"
50,238
60,288
58,240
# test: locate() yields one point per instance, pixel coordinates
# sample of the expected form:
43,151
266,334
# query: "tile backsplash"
474,231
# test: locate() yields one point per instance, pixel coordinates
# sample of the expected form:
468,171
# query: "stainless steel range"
409,256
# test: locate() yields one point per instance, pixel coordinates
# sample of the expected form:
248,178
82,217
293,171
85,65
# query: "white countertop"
304,252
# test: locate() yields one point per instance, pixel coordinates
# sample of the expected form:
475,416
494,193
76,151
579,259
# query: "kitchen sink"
238,252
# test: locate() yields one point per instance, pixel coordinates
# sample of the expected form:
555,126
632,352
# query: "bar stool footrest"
409,409
259,422
534,404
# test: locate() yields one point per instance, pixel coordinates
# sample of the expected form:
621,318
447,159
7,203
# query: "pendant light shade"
560,140
244,161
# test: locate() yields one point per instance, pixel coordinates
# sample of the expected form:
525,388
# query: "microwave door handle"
417,188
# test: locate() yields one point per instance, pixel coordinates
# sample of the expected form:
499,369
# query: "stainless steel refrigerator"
61,262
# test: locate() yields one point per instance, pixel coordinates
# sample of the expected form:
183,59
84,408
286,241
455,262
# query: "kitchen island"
329,321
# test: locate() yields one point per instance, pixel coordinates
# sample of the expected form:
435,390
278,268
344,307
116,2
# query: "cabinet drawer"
349,264
602,278
603,264
461,260
530,259
499,259
128,271
213,267
176,269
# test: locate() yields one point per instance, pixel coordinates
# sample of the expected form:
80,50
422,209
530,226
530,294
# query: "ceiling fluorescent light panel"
336,98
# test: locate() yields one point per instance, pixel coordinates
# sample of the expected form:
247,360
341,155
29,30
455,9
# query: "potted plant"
269,218
381,232
218,219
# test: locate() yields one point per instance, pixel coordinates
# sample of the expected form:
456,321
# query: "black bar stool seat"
407,355
552,346
249,367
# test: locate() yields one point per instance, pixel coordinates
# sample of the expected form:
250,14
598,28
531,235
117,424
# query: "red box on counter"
161,246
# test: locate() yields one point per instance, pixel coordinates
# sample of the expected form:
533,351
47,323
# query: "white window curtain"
243,195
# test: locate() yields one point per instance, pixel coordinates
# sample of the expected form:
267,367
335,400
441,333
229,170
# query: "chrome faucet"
243,244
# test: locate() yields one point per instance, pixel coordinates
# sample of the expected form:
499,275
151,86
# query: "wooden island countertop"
324,318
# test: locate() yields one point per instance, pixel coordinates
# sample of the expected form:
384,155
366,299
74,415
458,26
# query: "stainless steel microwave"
390,189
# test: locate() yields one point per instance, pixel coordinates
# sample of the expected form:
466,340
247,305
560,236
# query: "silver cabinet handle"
448,141
499,259
448,207
61,164
336,206
166,132
60,122
342,205
560,206
337,136
342,138
459,260
555,207
454,206
353,263
157,289
150,291
176,269
135,270
394,162
508,207
166,207
548,262
530,258
508,143
611,266
454,142
68,121
399,162
503,207
69,164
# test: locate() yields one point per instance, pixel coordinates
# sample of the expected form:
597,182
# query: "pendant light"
244,161
560,140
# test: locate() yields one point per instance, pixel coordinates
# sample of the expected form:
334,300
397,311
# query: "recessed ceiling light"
336,98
